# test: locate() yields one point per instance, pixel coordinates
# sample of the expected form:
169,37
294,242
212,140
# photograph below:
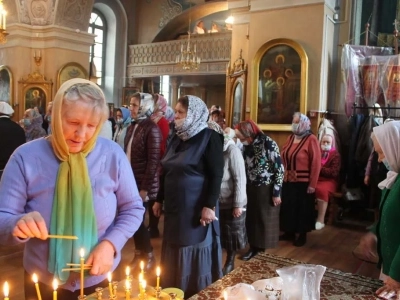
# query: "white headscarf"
388,137
5,108
196,119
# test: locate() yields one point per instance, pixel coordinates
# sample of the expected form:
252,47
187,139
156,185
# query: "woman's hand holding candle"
31,225
101,258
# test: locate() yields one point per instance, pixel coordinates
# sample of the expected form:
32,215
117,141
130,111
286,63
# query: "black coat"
11,137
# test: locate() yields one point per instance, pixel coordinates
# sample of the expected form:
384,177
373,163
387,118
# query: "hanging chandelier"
3,33
188,59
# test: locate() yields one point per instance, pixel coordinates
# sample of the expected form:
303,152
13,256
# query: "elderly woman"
232,200
264,183
32,124
386,140
71,183
302,161
122,121
328,177
192,174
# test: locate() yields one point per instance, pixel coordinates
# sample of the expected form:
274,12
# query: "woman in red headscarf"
328,177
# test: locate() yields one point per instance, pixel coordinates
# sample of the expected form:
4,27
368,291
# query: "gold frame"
64,73
255,79
11,84
237,74
35,80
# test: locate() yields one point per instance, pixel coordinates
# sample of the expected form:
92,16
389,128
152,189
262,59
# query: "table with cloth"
334,285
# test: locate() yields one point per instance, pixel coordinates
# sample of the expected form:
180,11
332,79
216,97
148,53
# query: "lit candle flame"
35,278
127,271
82,252
158,271
55,284
127,284
144,284
142,265
225,295
109,276
6,289
140,277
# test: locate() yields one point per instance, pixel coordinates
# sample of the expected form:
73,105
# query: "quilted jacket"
145,155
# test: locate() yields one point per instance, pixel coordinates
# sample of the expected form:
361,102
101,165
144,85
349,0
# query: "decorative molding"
257,5
209,68
210,48
36,12
169,9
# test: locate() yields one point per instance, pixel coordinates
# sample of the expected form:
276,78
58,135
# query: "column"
175,84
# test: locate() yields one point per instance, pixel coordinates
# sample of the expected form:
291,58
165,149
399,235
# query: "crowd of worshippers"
217,187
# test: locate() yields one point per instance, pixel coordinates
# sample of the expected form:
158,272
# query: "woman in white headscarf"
191,182
386,139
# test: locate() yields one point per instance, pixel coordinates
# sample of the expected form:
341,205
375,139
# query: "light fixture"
229,20
3,33
188,58
336,13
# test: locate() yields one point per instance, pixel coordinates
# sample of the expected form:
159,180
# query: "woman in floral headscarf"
190,187
32,125
302,161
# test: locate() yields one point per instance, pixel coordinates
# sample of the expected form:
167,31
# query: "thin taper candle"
55,287
140,283
35,280
6,290
158,273
110,284
82,252
127,290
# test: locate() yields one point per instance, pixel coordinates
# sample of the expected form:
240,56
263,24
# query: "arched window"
98,26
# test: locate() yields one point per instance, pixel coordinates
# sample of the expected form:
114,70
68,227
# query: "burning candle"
127,290
127,272
225,295
82,253
4,20
55,287
140,283
143,287
142,267
6,290
110,284
158,272
35,280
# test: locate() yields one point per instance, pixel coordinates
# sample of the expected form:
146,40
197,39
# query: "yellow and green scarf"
73,210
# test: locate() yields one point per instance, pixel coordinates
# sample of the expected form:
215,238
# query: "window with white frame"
98,27
164,87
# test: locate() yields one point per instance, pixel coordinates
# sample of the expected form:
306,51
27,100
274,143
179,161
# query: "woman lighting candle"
82,253
6,290
35,280
55,287
158,273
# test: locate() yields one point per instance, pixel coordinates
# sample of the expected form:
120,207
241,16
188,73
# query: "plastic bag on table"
301,282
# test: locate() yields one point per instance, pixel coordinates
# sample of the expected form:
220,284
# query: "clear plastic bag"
301,282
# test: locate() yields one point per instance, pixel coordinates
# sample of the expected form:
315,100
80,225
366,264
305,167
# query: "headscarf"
146,106
35,129
227,139
6,108
196,119
304,128
126,116
169,114
160,108
73,211
325,154
388,137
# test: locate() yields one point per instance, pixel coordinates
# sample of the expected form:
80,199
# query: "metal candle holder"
99,293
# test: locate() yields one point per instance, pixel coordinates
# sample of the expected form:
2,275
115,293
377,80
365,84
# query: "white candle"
55,287
35,280
6,290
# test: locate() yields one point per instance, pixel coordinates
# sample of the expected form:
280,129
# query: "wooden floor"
331,246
